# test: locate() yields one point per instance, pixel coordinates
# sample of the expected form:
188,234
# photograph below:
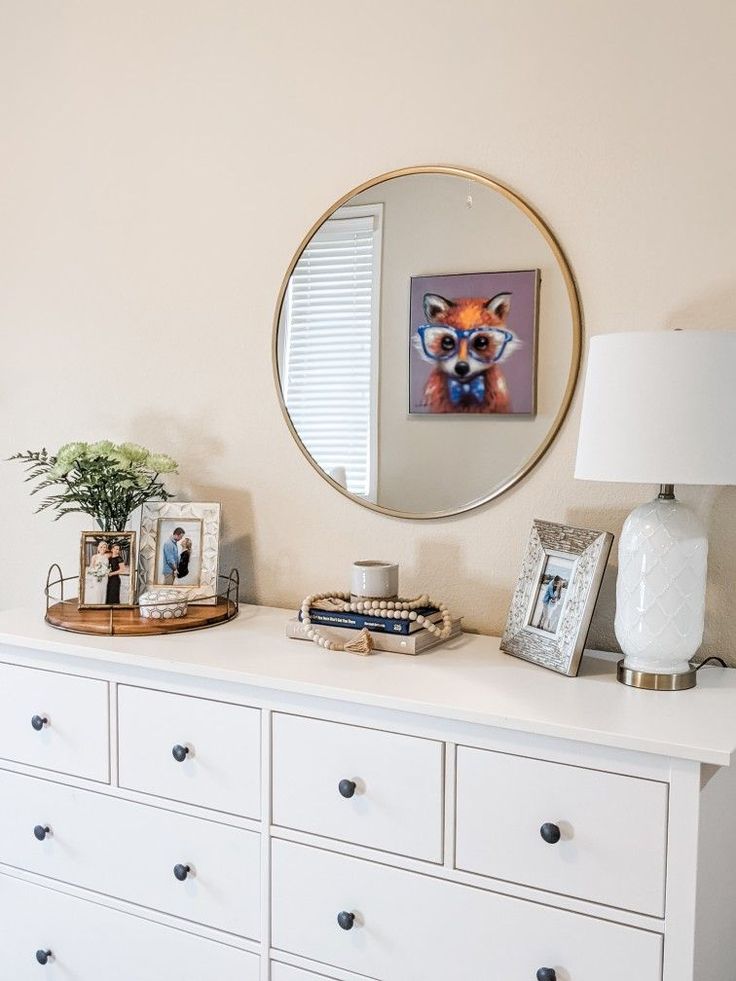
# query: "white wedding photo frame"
179,548
555,596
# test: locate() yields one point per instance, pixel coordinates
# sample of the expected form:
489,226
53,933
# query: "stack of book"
399,636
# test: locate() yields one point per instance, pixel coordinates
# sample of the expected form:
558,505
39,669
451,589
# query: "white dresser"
229,804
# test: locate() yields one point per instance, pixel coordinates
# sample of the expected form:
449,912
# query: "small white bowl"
162,604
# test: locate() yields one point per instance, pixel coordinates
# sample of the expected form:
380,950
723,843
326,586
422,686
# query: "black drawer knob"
551,834
41,830
180,753
546,974
43,956
38,722
181,872
347,788
345,920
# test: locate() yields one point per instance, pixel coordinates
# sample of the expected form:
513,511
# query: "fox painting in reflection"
466,340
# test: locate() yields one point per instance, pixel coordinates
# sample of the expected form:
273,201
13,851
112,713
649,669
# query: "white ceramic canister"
162,604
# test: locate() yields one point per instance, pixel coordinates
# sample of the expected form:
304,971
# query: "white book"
416,643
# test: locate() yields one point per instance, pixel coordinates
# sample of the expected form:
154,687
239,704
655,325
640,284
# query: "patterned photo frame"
552,549
156,516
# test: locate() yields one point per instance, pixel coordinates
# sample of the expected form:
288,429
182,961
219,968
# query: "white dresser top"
467,680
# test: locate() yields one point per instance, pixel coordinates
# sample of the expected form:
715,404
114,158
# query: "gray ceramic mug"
375,580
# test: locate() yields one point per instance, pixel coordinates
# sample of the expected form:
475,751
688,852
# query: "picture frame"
473,343
555,596
107,570
179,548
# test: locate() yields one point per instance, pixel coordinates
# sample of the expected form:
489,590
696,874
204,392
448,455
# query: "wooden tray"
129,623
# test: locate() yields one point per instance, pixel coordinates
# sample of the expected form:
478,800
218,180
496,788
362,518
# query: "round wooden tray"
125,622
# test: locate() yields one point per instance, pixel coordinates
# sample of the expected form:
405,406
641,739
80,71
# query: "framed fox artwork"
473,343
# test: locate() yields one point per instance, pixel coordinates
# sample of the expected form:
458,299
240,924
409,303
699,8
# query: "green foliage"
105,480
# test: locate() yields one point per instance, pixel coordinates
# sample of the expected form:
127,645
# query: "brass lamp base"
655,681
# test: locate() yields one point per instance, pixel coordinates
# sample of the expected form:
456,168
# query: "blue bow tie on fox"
475,388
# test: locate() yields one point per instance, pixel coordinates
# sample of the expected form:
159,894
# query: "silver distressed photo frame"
166,526
555,596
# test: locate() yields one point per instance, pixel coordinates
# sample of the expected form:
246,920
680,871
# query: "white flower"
161,463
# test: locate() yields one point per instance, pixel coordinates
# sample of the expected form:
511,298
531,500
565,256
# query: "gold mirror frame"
577,327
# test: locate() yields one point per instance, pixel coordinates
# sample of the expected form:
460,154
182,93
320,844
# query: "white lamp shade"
660,408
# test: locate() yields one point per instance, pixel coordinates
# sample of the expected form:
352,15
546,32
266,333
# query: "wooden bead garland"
396,609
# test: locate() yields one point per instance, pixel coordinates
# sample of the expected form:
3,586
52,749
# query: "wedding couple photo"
179,547
107,569
551,593
179,559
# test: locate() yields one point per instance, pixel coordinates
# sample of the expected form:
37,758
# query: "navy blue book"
356,621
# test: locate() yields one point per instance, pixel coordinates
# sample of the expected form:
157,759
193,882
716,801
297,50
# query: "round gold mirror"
427,342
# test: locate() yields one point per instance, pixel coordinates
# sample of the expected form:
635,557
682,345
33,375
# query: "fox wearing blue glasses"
466,339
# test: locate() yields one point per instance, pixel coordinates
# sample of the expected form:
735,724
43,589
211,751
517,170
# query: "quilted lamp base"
660,591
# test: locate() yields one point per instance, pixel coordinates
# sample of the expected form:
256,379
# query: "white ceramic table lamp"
660,408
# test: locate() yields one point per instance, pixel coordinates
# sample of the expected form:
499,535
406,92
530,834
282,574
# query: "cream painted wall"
160,161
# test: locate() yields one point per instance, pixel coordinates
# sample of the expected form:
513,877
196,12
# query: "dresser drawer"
92,943
285,972
74,739
503,801
222,742
130,850
397,801
411,927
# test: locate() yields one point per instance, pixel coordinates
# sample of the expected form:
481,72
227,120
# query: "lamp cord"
708,660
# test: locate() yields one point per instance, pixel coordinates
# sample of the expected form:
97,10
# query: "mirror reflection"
427,342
